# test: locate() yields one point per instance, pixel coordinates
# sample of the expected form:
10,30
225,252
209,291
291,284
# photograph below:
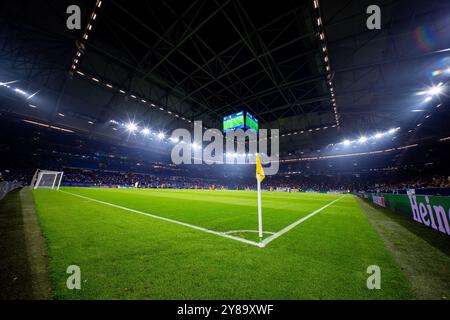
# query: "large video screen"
251,122
233,121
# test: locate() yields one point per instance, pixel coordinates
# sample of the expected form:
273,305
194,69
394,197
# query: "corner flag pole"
260,228
259,177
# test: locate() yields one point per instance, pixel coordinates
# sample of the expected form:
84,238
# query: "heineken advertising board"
431,211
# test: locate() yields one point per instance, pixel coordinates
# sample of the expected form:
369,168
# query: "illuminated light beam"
47,126
408,146
32,95
4,84
353,154
20,91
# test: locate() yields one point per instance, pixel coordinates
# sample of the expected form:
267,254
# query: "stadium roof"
318,74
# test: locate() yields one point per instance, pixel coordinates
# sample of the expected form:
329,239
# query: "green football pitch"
201,244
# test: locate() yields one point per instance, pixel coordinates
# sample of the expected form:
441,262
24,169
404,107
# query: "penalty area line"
217,233
296,223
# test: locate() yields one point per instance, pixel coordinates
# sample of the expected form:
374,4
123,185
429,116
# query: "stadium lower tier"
428,184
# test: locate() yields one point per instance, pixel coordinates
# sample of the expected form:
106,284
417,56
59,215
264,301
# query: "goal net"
47,179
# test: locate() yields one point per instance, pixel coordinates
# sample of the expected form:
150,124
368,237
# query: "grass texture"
125,255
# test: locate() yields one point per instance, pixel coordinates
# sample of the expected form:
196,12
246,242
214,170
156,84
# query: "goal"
46,179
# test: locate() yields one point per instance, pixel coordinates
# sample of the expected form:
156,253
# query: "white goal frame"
39,174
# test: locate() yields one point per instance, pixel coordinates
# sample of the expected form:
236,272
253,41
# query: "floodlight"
145,131
428,99
5,84
131,127
362,139
161,135
346,142
378,135
32,95
20,91
391,131
435,90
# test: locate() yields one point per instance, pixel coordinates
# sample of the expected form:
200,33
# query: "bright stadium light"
435,90
428,99
6,84
145,131
20,91
131,127
346,142
161,135
378,135
391,131
362,139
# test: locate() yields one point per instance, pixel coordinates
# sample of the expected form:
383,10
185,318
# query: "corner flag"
259,177
259,168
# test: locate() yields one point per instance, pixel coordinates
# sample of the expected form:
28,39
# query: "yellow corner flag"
259,168
259,177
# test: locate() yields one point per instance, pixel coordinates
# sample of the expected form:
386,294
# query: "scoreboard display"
240,120
234,121
251,122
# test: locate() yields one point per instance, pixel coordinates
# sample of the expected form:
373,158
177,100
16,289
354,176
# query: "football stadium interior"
338,189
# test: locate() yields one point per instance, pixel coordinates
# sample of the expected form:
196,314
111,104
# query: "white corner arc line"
296,223
221,234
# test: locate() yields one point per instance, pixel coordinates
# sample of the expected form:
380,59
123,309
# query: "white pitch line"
221,234
243,231
296,223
